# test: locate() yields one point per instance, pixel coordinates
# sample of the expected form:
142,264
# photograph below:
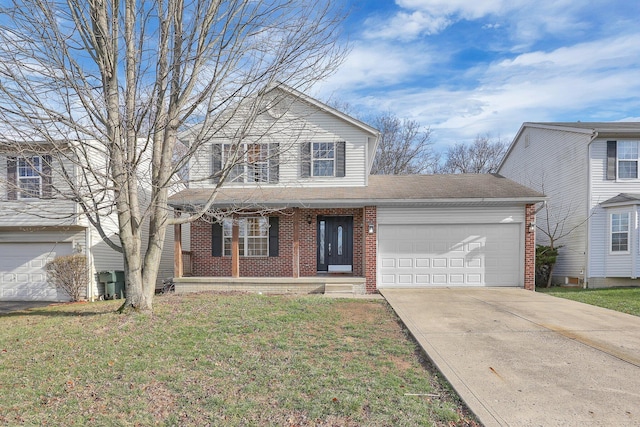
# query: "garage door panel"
449,255
22,270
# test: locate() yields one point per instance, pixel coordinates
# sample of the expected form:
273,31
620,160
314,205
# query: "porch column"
235,248
370,248
530,249
178,266
296,242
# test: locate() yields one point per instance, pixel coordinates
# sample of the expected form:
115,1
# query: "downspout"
87,253
585,269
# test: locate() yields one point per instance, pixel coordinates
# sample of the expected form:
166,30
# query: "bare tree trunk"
108,84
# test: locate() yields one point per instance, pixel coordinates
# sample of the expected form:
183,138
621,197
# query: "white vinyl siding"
555,163
301,123
601,261
619,232
621,263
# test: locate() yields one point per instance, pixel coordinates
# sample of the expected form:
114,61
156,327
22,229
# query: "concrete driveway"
520,358
10,306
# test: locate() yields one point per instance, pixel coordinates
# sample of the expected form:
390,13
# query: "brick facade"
371,248
204,264
529,249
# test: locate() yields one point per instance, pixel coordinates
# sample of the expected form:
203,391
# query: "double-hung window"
249,162
620,232
323,159
253,238
627,159
29,177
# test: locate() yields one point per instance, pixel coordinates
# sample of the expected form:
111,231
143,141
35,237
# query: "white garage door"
22,274
449,255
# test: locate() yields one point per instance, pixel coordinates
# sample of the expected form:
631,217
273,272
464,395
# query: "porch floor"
325,283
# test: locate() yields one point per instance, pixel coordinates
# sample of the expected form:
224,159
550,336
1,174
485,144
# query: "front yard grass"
626,300
220,359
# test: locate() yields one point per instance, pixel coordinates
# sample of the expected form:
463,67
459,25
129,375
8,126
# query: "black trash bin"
114,286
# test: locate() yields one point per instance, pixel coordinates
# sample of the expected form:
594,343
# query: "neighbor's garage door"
22,273
449,255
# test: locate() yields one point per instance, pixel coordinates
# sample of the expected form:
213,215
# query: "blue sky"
476,67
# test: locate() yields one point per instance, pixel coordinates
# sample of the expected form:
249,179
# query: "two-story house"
299,212
589,171
39,220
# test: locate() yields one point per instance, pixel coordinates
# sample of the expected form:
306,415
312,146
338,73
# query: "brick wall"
371,250
204,264
529,249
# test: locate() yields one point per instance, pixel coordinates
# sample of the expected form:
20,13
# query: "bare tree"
404,147
560,219
481,156
106,85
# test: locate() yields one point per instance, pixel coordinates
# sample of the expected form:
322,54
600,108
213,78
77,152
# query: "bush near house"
69,274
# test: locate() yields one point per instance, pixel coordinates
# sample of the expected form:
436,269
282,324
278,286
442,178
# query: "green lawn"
626,300
219,359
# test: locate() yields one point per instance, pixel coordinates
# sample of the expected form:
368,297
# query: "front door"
335,243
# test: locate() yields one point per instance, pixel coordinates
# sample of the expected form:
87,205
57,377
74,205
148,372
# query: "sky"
468,68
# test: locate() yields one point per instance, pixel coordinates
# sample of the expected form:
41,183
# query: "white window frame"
29,169
620,215
627,156
248,169
321,155
249,244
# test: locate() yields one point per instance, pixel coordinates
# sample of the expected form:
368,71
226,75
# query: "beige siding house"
300,212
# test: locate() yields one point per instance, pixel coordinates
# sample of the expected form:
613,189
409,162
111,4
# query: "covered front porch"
293,250
322,284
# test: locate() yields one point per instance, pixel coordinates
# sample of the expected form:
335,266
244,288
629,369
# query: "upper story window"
620,232
627,152
247,162
322,159
29,177
253,238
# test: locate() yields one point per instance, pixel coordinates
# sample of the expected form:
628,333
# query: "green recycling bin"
114,285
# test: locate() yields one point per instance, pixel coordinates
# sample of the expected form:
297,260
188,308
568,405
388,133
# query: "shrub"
69,273
546,257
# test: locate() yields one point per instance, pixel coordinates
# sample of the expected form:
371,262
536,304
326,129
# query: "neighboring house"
38,223
299,212
589,171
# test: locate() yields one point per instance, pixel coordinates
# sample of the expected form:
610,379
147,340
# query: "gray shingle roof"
623,198
382,190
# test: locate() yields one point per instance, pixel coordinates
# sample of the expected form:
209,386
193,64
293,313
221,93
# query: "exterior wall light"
371,228
532,227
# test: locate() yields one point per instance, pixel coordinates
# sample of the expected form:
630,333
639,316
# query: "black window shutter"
216,239
274,227
12,178
216,162
47,188
274,163
340,158
305,160
612,159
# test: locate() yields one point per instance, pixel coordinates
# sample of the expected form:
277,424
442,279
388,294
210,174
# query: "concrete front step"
338,288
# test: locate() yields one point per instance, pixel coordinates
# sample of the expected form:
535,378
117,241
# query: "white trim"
611,251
